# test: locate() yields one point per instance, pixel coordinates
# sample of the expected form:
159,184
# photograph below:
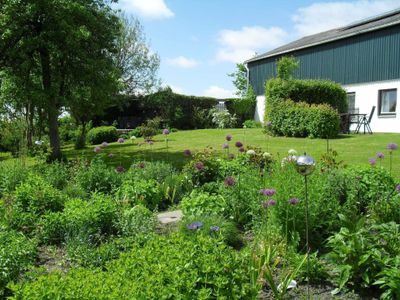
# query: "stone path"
170,217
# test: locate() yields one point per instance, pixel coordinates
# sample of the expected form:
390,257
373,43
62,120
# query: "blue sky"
199,41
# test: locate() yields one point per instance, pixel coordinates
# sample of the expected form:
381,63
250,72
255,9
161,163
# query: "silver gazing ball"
305,165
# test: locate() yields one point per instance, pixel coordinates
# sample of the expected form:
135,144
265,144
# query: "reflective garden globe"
305,165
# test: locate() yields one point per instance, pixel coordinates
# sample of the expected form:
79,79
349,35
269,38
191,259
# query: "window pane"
388,101
351,100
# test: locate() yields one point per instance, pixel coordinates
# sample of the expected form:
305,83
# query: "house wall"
260,109
367,97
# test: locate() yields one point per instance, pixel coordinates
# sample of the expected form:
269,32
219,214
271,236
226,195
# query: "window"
351,101
387,102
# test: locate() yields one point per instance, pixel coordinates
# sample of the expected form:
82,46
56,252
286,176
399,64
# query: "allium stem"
390,163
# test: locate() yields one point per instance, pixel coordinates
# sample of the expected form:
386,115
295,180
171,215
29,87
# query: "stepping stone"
170,217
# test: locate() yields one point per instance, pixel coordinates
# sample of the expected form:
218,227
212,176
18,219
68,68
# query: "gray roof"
371,24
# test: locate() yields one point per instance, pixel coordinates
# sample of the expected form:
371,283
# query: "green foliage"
11,175
97,176
179,111
150,128
164,268
90,221
17,254
67,128
32,199
301,120
310,91
203,168
243,107
212,225
223,119
97,135
285,67
56,173
137,221
240,80
252,124
12,136
359,250
389,279
202,203
141,191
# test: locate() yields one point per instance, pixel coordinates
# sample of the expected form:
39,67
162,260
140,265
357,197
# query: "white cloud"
319,17
182,62
239,45
147,8
218,92
176,89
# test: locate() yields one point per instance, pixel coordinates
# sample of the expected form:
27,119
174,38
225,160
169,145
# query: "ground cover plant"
89,229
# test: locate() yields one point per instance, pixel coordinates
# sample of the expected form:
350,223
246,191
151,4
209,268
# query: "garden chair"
365,122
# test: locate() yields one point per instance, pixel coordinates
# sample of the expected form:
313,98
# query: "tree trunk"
29,124
52,106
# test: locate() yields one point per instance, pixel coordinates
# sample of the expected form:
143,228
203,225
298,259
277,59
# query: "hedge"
101,134
301,119
309,91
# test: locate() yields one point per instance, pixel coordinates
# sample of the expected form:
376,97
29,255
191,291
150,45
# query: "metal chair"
365,122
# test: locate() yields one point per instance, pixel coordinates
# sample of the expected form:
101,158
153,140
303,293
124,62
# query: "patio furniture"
349,118
365,122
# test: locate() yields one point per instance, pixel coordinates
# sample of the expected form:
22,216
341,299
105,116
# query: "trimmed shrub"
252,124
244,107
309,91
137,221
301,120
101,134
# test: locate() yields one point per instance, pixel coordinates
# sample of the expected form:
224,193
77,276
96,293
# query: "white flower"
133,137
251,152
292,152
39,143
267,155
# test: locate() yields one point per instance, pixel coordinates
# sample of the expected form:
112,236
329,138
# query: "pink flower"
229,181
228,137
199,166
187,152
225,146
120,140
165,131
238,144
97,149
120,169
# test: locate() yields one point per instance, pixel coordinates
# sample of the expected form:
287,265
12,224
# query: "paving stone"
170,216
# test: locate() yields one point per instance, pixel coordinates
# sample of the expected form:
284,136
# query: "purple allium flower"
241,149
267,192
228,137
110,155
268,203
140,165
269,124
120,169
214,228
165,131
225,146
293,201
229,181
398,188
195,225
380,155
120,140
104,144
97,149
372,161
392,146
187,153
199,165
238,144
231,156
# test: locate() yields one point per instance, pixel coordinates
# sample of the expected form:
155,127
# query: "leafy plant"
202,203
137,221
141,191
97,135
223,119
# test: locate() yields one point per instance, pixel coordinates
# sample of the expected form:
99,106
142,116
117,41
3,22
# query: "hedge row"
289,118
309,91
101,134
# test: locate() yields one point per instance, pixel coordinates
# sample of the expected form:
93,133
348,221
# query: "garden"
251,228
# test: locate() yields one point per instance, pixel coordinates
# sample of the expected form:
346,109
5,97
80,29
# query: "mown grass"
352,149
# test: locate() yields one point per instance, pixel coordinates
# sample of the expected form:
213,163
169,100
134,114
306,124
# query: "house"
364,57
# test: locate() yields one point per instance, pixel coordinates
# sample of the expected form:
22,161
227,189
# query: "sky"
200,41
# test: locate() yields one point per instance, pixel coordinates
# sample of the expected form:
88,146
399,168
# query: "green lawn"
352,149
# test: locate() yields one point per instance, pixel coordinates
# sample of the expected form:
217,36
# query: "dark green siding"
373,56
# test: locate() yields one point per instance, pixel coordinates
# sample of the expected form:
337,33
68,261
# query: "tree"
240,80
285,67
138,64
68,46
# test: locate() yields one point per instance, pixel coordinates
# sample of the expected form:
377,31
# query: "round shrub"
137,220
101,134
140,191
201,203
